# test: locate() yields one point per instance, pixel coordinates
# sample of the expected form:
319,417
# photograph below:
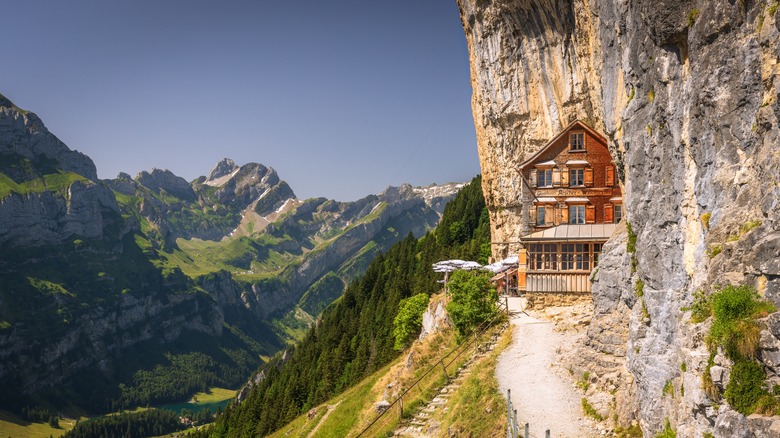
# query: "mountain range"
142,290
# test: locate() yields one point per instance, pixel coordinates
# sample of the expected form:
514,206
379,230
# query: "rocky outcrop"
165,182
100,335
42,210
24,137
687,95
84,210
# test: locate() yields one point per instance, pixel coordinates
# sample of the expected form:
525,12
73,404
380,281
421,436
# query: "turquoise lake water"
195,407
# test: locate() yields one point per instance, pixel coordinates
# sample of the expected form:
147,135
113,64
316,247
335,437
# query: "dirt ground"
542,390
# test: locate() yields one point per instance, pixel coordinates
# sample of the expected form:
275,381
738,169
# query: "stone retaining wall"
540,300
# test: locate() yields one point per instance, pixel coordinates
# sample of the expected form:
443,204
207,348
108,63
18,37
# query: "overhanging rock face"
687,95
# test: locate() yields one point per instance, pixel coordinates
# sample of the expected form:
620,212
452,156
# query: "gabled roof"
558,137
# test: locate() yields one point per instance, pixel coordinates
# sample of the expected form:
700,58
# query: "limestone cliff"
687,94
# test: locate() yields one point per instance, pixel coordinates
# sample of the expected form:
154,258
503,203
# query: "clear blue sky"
342,98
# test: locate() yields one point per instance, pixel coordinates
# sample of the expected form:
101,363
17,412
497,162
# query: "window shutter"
610,180
564,176
590,214
564,214
532,178
608,216
556,177
549,216
532,216
588,177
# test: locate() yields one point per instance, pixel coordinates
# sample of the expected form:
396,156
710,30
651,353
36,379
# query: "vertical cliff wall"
687,94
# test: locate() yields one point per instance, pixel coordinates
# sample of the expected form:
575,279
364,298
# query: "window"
576,177
577,141
543,256
567,256
582,256
618,212
540,213
575,256
576,214
544,177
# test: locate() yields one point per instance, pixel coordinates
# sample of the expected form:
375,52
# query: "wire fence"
468,341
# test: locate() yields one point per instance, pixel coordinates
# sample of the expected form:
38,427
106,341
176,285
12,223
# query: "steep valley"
124,292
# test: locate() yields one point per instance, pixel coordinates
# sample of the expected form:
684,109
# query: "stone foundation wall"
541,300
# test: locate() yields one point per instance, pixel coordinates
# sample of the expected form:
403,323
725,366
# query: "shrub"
630,96
584,384
639,288
668,432
767,405
632,431
701,309
668,389
745,386
692,17
631,244
734,328
705,220
473,300
714,250
408,320
590,411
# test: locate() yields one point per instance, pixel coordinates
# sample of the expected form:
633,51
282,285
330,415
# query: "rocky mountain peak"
5,102
225,167
24,136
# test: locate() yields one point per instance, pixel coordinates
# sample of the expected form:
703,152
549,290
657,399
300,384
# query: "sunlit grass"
13,426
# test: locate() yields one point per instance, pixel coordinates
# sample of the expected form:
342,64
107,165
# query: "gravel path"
542,397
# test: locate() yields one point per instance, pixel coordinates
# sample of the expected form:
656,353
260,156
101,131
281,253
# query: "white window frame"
573,143
577,214
617,212
573,179
544,176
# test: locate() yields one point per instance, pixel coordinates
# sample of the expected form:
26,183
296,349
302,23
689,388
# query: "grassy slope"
55,182
348,413
15,427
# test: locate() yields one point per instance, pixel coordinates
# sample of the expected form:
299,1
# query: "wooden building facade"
571,203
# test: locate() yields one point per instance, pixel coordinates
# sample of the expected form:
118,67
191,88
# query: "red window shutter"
532,178
608,215
588,177
610,180
590,214
556,177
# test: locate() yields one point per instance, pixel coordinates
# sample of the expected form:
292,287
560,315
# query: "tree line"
354,336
